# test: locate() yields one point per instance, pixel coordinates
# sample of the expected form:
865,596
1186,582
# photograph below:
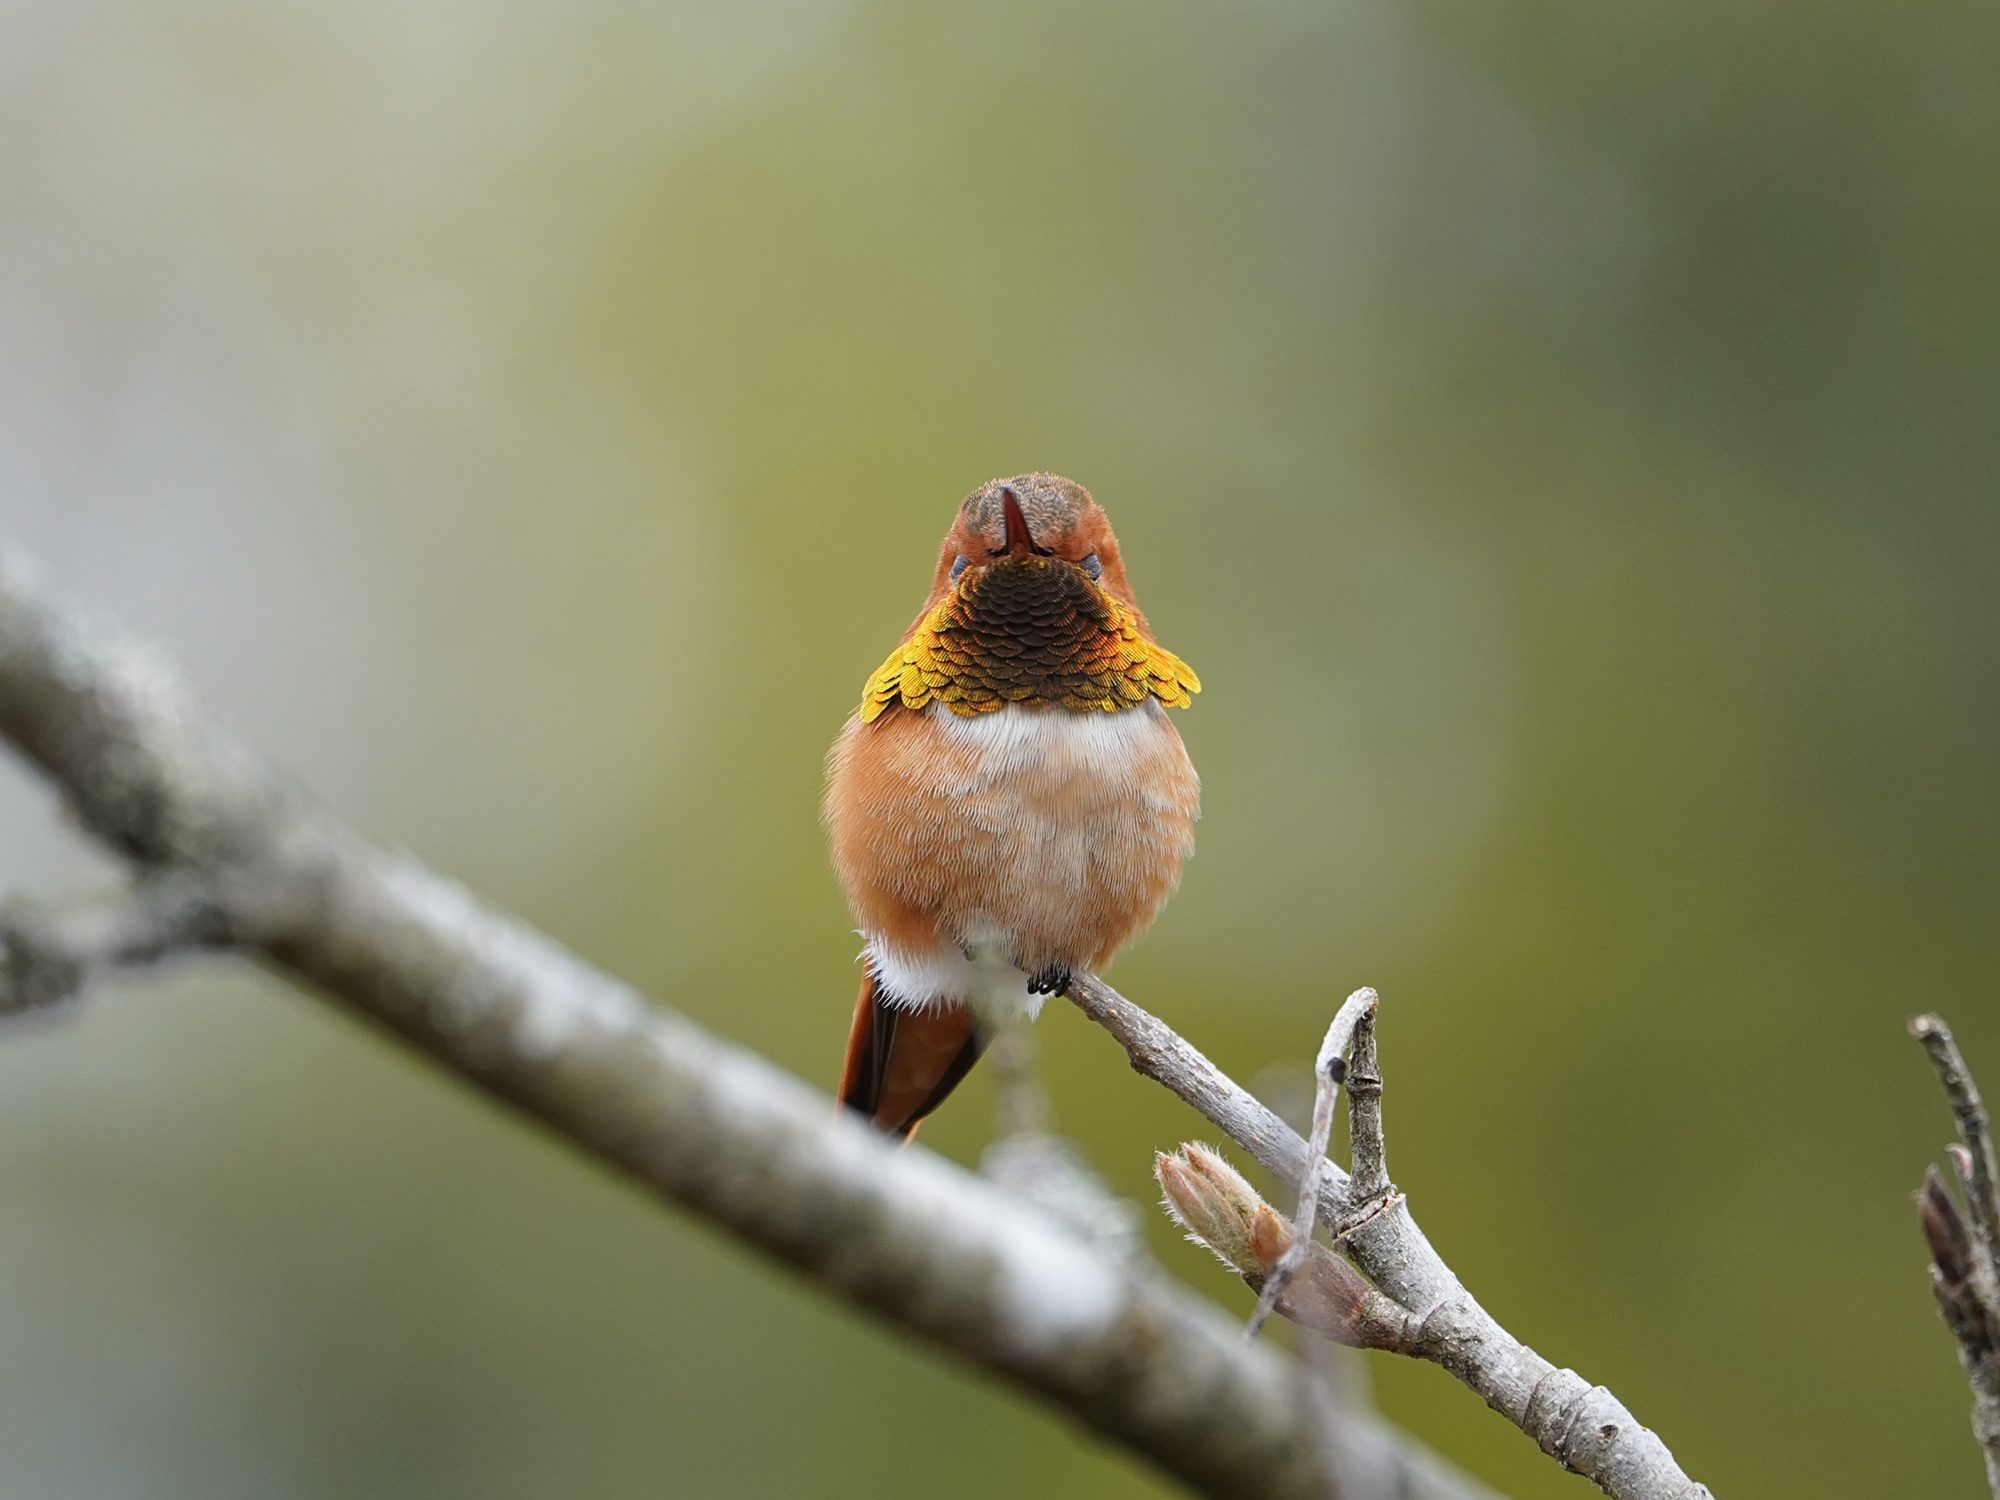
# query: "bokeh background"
1562,436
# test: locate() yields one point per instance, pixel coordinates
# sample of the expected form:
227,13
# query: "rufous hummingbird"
1010,804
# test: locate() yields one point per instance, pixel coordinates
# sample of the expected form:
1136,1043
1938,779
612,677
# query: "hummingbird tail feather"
902,1063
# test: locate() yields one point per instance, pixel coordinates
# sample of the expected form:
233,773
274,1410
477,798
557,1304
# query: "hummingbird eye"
957,567
1093,565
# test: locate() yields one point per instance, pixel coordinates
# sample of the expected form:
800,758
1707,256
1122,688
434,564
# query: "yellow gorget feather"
1030,630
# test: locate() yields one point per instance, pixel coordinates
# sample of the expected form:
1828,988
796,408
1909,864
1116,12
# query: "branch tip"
1964,1242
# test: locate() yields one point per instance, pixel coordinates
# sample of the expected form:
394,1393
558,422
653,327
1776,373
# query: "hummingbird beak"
1020,540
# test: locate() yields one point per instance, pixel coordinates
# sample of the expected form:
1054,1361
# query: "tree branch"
1965,1260
922,1244
1585,1428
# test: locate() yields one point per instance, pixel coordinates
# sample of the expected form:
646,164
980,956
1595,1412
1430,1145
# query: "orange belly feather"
1053,835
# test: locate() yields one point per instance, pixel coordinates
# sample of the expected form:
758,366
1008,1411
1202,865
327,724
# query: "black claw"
1050,981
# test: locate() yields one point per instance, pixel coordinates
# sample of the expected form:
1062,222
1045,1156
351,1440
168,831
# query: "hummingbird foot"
1052,980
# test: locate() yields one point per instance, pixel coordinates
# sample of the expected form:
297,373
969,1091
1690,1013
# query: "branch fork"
1423,1311
49,954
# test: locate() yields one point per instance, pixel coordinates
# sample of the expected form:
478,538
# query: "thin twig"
1329,1069
49,953
1022,1106
1367,1149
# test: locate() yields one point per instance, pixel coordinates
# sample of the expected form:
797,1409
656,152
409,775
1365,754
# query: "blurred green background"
1562,436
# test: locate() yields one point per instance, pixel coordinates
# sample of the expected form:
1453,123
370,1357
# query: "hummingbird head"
1011,521
1029,605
